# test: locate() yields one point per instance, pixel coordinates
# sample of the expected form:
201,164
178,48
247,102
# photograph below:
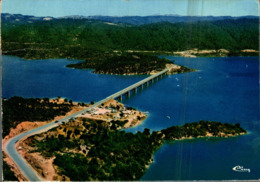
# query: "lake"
224,89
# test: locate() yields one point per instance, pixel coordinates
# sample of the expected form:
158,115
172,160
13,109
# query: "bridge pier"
120,98
139,85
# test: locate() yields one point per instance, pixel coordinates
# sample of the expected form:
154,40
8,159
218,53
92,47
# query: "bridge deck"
25,168
121,92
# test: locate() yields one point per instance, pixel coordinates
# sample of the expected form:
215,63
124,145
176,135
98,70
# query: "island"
119,48
131,64
94,145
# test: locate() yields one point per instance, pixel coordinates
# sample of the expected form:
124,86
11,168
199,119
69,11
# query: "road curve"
24,167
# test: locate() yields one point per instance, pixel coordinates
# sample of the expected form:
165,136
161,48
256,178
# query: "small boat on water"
168,117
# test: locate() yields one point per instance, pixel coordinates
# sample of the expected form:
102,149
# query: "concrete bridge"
25,168
145,82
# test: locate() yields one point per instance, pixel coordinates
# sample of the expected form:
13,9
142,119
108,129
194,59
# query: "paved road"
25,168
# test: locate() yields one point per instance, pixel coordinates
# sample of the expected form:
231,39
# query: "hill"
141,20
95,40
93,34
130,20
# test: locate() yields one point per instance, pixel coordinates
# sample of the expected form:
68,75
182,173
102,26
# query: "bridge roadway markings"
24,167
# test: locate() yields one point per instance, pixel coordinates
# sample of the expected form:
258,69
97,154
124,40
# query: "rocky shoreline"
95,138
175,69
193,53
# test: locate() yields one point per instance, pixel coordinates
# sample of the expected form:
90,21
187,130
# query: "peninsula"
93,145
118,48
95,142
131,64
106,153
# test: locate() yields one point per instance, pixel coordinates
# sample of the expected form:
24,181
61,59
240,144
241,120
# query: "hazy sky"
58,8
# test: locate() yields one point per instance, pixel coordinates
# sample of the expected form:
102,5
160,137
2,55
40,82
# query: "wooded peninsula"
98,146
127,49
110,154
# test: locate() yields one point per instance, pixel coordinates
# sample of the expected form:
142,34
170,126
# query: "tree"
8,174
46,100
147,131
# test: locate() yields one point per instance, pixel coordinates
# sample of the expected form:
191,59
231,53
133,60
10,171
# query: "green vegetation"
7,173
115,156
202,128
18,109
106,46
81,39
125,64
111,154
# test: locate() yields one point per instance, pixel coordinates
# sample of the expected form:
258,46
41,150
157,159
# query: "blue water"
51,78
223,89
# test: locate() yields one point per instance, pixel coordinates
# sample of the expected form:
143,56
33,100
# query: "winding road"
24,167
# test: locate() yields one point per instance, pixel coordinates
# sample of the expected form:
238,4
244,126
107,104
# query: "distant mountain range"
21,19
83,38
132,20
141,20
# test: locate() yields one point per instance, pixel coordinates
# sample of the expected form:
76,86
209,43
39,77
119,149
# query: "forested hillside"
87,35
18,109
141,20
95,40
112,154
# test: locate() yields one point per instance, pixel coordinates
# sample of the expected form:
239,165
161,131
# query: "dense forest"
72,37
125,64
18,109
93,40
202,128
8,174
112,154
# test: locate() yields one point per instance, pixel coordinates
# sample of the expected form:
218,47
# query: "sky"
59,8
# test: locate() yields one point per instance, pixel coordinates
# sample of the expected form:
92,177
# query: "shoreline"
27,126
193,53
165,141
113,110
37,161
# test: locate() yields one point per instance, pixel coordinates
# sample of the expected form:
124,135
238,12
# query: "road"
24,167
